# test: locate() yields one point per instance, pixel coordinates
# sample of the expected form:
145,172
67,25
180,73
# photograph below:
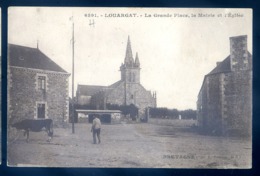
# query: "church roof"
89,90
116,84
22,56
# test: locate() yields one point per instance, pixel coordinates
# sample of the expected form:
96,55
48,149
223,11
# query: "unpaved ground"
143,145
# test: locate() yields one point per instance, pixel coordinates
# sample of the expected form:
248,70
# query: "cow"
35,125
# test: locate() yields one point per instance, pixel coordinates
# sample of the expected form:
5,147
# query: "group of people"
96,129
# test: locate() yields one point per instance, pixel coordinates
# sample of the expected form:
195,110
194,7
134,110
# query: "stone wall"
224,103
132,75
239,53
23,94
117,95
237,112
135,94
210,116
202,106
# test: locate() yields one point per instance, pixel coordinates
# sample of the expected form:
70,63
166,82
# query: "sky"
175,49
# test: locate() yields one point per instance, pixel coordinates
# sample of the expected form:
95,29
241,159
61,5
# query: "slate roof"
115,84
89,90
224,66
22,56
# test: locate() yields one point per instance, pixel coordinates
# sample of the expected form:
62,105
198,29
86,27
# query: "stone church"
128,90
224,104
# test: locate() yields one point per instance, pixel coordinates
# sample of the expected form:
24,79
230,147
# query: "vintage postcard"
129,87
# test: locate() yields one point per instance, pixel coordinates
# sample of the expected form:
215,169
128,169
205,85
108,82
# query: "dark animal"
35,125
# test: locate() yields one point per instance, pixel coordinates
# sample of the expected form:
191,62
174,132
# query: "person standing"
95,129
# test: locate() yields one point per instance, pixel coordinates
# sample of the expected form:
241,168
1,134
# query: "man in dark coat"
96,129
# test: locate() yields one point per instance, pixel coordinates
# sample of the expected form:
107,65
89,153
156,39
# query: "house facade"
38,88
128,90
224,104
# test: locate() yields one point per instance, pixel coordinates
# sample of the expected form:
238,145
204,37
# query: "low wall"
174,122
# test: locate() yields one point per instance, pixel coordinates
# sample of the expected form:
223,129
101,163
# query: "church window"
129,77
132,96
133,77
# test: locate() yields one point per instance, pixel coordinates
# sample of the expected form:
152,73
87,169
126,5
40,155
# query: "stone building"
37,86
128,90
224,104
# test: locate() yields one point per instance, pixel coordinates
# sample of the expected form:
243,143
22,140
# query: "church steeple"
130,69
129,60
137,62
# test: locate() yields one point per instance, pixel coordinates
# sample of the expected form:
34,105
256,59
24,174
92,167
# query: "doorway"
41,111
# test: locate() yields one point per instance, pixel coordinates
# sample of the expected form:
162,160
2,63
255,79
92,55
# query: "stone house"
37,86
128,90
224,104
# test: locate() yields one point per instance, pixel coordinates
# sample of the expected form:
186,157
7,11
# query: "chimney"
218,63
238,53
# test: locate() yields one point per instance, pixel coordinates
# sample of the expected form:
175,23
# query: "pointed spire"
129,56
137,62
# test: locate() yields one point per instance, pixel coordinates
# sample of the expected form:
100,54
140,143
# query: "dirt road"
142,145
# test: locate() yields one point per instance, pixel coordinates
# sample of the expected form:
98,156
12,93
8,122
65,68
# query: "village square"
136,129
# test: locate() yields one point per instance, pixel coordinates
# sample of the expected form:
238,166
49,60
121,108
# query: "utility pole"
73,113
125,91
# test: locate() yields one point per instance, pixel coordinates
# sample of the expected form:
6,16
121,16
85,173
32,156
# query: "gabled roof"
22,56
224,66
89,90
114,85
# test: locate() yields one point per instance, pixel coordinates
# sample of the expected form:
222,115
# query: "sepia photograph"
129,87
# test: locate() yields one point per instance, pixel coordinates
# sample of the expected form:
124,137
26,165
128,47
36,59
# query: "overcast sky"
175,52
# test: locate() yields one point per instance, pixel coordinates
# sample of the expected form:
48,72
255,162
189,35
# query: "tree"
172,113
188,114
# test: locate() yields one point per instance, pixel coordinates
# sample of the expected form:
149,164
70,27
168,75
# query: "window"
129,77
40,110
132,96
41,82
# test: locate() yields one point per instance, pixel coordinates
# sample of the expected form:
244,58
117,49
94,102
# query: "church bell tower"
130,69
